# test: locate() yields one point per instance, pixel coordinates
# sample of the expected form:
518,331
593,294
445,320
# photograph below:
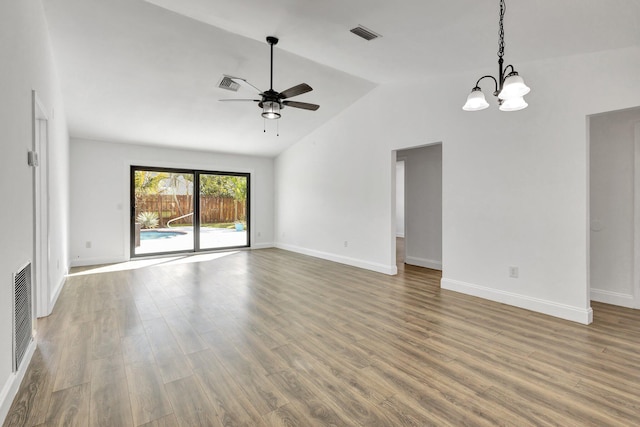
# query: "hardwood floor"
271,338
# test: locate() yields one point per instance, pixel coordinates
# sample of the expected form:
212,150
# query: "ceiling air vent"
365,33
228,84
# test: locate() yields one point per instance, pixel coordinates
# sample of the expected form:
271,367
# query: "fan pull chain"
277,127
264,125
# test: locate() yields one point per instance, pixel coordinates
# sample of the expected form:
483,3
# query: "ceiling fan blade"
303,105
295,91
236,99
244,83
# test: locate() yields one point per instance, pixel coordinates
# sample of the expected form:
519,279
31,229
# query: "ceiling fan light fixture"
271,101
271,110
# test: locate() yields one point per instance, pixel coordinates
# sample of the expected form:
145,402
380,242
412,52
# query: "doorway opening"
41,208
422,205
614,207
182,210
400,179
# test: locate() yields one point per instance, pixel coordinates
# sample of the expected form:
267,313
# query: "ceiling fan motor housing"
271,96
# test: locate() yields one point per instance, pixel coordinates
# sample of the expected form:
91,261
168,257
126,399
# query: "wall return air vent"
365,33
22,319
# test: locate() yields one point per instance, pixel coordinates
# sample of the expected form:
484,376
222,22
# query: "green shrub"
148,219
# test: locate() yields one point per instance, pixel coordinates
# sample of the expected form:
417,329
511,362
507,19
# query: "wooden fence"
212,209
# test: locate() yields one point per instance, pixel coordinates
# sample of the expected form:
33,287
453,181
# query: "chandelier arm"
487,77
506,68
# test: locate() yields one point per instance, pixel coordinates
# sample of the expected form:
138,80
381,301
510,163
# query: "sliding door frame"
196,209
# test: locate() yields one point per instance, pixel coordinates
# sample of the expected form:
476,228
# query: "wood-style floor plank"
168,355
110,404
191,405
148,396
273,338
233,405
69,407
75,361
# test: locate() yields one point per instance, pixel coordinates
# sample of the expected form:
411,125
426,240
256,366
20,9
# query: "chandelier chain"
503,8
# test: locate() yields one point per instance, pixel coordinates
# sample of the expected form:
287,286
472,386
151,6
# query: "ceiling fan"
271,101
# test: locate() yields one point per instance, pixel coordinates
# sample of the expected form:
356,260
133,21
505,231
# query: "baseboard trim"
614,298
263,245
85,262
10,389
563,311
422,262
400,235
379,268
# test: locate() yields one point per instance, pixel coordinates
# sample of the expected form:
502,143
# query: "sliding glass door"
223,211
175,210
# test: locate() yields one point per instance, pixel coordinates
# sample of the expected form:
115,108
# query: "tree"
239,191
147,182
216,186
225,187
173,183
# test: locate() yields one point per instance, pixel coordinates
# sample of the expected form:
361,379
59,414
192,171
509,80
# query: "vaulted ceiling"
147,71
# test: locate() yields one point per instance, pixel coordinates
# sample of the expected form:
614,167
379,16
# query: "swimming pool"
158,234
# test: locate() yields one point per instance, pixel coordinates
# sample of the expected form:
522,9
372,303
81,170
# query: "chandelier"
509,88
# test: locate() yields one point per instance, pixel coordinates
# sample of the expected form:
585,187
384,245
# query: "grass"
220,225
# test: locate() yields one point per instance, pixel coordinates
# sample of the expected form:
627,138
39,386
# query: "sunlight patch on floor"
151,262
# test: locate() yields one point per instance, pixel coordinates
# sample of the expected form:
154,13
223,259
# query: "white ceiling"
146,71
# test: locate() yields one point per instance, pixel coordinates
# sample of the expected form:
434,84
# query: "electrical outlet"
346,243
513,272
259,234
88,244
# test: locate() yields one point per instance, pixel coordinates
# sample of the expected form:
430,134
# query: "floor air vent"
22,318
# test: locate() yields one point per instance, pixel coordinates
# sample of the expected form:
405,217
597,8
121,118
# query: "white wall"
423,240
400,198
100,193
612,154
27,64
515,185
334,192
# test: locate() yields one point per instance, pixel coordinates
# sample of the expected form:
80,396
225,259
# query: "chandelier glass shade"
513,87
513,104
476,101
509,88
